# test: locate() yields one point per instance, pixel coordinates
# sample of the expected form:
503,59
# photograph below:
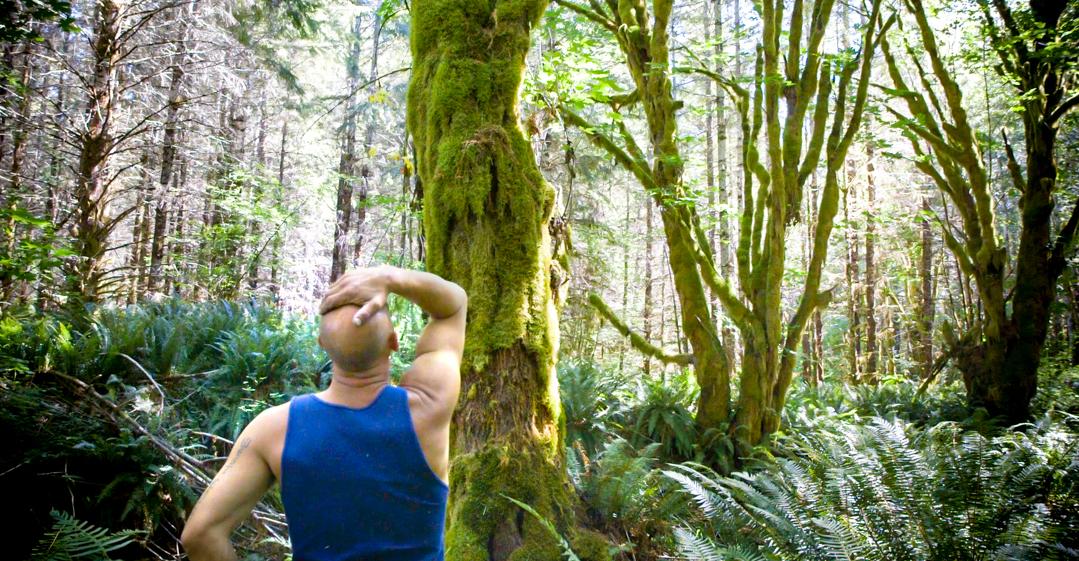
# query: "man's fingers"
331,301
370,308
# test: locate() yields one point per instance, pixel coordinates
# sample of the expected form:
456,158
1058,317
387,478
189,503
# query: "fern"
567,551
663,416
887,490
71,538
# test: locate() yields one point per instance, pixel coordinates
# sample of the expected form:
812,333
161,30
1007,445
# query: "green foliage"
627,496
662,415
1058,390
593,402
71,457
22,20
38,252
889,490
891,398
408,321
229,246
71,538
178,369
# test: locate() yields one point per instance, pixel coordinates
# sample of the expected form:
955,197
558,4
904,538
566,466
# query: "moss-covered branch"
1014,170
635,165
635,339
589,12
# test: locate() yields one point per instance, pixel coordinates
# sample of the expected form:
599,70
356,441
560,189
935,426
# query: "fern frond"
71,538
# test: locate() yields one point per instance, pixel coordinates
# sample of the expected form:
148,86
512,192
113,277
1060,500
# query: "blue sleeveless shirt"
356,485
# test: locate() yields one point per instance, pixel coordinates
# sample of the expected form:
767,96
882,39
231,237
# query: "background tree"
999,355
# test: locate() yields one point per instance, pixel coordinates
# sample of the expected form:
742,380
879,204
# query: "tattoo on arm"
240,448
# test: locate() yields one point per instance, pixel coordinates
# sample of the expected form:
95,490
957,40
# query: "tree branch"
1064,243
635,339
638,167
589,13
1013,165
1062,109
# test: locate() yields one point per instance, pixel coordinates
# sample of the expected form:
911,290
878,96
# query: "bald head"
355,348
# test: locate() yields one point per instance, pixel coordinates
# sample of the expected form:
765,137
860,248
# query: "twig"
157,387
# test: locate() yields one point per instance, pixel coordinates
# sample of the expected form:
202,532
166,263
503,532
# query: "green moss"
486,205
478,482
486,218
591,546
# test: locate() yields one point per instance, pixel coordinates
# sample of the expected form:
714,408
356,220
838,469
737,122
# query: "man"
362,465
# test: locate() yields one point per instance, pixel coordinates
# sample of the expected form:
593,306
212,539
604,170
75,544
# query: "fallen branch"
268,519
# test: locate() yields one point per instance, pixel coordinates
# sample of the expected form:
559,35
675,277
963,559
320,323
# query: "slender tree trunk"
648,280
19,134
625,274
871,374
1073,326
927,306
95,145
168,155
368,138
140,230
487,213
254,226
279,196
710,100
8,59
854,346
346,168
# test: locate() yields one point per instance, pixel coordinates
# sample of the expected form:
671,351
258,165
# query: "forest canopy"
780,279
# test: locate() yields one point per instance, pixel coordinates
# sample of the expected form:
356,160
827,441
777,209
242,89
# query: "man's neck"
356,389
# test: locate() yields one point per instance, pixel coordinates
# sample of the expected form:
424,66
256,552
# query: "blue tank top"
356,485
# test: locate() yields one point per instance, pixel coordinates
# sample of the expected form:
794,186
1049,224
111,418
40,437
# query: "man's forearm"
438,297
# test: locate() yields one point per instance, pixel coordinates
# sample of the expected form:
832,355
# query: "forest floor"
113,430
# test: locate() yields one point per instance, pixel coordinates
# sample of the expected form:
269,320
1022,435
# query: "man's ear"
393,343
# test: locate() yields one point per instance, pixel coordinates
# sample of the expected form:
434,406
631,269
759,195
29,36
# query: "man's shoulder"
271,422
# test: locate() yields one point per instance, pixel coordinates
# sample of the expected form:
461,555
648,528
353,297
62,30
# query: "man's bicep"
236,488
443,335
436,371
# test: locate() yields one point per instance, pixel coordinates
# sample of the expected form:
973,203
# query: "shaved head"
355,348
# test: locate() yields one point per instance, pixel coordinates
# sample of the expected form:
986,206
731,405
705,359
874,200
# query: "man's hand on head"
367,288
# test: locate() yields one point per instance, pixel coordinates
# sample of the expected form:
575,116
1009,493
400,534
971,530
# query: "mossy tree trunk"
642,35
999,355
487,221
769,343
